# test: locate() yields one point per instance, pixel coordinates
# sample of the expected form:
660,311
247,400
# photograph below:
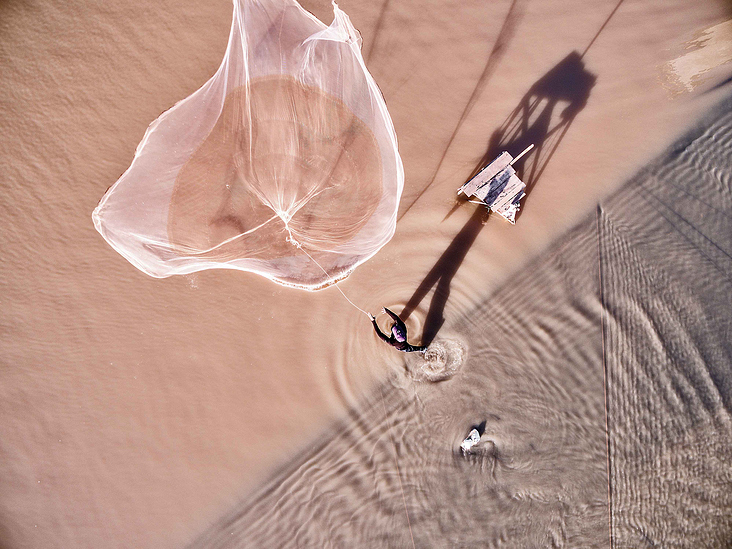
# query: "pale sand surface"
137,412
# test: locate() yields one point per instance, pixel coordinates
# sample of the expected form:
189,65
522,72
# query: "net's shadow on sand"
542,118
634,301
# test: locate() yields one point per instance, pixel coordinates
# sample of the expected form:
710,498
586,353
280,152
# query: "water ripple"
441,361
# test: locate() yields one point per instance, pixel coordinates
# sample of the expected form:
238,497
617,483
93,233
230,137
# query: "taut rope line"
295,243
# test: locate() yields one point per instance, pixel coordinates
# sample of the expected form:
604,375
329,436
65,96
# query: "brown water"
139,412
638,295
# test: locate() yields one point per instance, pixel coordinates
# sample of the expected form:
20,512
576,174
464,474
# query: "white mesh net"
284,163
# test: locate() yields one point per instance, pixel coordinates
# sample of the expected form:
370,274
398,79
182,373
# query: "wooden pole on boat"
527,149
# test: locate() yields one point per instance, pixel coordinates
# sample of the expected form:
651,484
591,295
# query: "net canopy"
284,163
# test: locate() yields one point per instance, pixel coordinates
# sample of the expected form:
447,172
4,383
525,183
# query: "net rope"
297,244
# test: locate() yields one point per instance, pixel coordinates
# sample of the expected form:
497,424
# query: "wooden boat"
498,187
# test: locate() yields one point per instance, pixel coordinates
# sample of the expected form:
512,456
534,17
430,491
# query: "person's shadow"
541,118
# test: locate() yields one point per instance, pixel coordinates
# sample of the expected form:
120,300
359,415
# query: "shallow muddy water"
221,410
635,299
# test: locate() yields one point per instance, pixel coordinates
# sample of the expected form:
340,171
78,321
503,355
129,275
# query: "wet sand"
138,412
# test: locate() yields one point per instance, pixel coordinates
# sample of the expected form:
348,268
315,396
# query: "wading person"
398,338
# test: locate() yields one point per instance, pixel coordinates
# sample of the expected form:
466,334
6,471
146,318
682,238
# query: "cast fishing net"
284,163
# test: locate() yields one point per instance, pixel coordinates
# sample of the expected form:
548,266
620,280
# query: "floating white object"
498,187
471,440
